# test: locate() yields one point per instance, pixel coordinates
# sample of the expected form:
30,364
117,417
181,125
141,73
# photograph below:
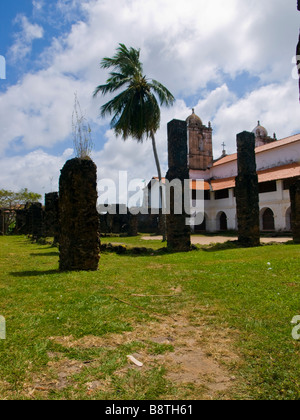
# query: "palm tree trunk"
163,215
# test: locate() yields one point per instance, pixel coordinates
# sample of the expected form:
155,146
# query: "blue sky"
231,61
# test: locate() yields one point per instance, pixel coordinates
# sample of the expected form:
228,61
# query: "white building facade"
278,164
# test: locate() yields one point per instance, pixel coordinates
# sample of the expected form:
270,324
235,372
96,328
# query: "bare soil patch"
201,357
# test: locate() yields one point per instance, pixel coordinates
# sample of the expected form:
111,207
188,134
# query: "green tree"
135,110
11,199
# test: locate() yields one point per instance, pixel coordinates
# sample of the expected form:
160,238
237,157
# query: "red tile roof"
193,183
261,149
272,174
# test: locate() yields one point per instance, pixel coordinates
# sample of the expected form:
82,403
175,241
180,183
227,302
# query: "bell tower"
261,136
200,144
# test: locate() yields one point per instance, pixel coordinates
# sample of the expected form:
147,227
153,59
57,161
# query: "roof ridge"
260,149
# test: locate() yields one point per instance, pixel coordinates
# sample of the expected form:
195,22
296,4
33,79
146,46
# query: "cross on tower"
224,151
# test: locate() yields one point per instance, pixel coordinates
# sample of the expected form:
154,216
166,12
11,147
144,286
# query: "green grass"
135,241
239,290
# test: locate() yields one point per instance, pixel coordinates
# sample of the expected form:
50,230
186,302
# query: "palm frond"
165,96
126,61
113,84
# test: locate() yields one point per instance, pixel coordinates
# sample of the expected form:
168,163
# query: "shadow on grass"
223,246
237,245
34,273
122,250
45,254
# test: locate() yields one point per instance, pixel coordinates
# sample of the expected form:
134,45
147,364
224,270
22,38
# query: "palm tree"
136,109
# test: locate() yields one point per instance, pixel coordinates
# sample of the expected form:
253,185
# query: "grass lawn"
209,324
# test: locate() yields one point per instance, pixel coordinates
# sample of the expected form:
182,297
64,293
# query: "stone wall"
30,220
125,223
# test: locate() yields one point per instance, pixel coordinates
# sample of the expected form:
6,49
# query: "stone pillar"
37,220
133,225
29,219
79,244
21,222
298,52
178,232
247,192
298,61
51,226
2,222
295,207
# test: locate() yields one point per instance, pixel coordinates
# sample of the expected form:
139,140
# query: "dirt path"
200,362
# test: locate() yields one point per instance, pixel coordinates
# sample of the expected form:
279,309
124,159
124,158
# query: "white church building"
278,164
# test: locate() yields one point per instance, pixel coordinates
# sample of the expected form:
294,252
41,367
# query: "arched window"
268,220
222,221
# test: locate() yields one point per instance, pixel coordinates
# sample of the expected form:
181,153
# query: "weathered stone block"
298,61
295,207
247,192
178,232
79,244
37,220
21,226
51,216
2,223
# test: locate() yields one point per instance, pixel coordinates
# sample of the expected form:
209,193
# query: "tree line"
12,200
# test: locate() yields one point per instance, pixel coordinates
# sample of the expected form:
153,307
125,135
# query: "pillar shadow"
34,273
45,254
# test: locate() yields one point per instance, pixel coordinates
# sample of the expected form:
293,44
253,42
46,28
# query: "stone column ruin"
37,220
247,191
51,222
298,51
79,244
21,218
178,232
2,222
295,207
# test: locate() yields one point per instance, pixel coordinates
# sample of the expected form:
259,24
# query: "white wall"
278,202
264,160
278,157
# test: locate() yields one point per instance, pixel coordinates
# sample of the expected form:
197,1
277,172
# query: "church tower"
200,144
261,136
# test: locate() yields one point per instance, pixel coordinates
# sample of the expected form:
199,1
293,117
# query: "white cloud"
24,39
38,5
275,105
38,111
37,170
